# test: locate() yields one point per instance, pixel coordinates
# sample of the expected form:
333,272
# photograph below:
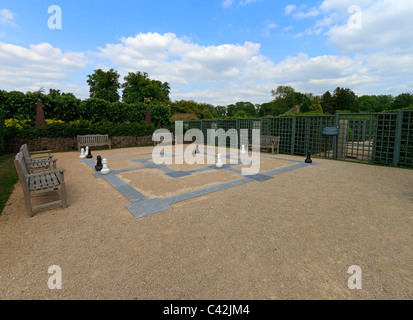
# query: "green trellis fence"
377,138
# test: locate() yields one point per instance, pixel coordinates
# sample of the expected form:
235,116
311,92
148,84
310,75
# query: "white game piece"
82,154
197,150
105,169
243,149
219,163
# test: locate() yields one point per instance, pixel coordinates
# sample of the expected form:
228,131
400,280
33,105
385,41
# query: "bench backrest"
97,138
25,151
268,139
21,167
162,136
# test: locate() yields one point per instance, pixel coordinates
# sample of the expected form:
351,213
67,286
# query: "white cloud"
385,25
178,60
227,73
38,66
290,8
6,17
268,27
245,2
226,3
303,14
230,72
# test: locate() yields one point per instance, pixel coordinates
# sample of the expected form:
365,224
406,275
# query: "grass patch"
8,178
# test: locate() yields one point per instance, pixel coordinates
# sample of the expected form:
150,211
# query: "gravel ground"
290,237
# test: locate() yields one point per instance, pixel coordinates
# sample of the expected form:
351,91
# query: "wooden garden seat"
38,163
158,137
38,183
93,140
268,142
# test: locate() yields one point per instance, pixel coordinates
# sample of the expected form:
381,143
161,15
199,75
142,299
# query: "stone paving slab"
142,206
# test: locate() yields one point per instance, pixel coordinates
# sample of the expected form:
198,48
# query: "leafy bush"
94,109
53,128
160,115
66,108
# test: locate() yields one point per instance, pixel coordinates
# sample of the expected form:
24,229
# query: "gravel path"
290,237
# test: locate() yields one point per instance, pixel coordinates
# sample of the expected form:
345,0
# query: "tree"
327,102
220,112
287,98
201,110
383,102
240,114
344,99
316,106
367,103
403,100
282,92
104,85
139,88
247,107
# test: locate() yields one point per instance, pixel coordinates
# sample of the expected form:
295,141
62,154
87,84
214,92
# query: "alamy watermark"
55,280
354,282
356,19
55,20
162,152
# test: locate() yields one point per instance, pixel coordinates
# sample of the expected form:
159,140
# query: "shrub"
53,128
94,109
160,115
66,108
183,117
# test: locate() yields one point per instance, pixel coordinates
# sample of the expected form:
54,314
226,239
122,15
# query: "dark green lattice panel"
282,127
406,145
385,138
308,136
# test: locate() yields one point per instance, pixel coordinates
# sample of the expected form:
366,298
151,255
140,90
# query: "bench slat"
56,181
44,183
49,181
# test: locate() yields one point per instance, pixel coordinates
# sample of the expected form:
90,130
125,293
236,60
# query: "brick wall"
66,144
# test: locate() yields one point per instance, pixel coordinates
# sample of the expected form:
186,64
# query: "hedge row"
27,129
23,106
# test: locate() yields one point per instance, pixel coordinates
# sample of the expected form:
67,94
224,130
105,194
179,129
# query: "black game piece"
89,155
308,160
99,165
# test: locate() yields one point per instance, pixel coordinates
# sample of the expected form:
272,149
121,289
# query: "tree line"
119,102
137,87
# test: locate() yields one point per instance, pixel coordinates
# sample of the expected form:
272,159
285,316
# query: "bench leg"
63,195
28,203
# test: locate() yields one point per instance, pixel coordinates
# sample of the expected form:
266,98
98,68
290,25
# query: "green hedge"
80,127
22,106
1,131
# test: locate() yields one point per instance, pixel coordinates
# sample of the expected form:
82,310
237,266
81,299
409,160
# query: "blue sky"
215,51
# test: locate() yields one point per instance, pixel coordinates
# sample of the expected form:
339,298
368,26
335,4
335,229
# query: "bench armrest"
42,173
36,160
41,151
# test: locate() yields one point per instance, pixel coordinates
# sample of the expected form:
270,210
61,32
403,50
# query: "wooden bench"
268,142
37,163
39,183
158,137
93,140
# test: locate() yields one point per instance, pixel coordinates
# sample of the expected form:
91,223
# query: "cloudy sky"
214,51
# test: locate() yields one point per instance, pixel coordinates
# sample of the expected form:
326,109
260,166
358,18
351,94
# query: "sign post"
328,131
